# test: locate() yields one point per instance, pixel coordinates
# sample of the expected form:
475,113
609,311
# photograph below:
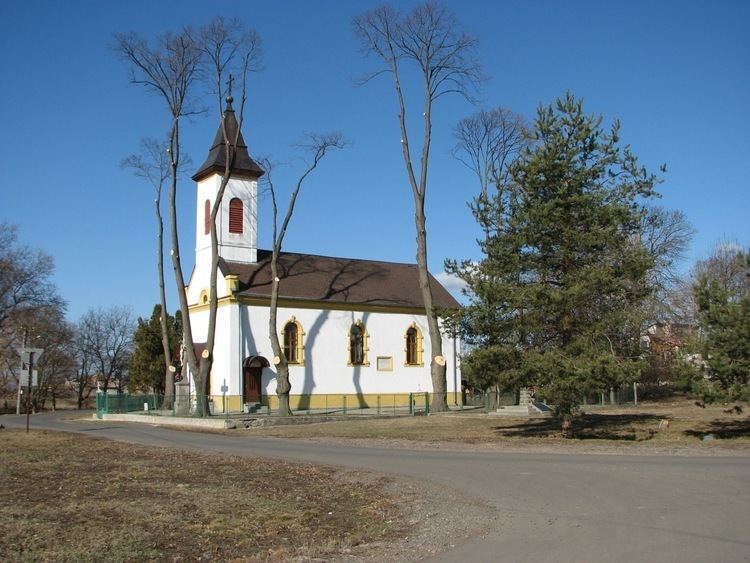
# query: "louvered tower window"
235,215
207,217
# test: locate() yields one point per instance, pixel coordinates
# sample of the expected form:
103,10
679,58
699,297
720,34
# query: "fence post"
411,403
427,403
378,404
344,397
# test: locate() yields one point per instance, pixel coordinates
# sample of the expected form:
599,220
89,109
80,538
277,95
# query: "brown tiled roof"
216,160
337,280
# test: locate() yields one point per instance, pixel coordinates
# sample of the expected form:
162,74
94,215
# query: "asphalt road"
549,507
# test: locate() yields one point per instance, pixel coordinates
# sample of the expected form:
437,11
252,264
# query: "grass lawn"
73,498
687,425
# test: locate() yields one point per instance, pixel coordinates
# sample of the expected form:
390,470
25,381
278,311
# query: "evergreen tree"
554,302
724,318
147,364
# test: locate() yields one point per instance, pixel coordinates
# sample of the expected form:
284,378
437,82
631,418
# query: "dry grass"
687,425
72,498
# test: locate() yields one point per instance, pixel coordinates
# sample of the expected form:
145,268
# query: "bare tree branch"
317,146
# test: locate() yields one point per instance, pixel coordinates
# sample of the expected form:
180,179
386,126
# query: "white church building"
351,328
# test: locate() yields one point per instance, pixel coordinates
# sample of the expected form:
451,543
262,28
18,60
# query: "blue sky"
677,74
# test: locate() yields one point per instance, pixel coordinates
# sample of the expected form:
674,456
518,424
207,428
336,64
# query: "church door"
252,370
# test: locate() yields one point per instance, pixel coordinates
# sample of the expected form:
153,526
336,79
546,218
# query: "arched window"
358,345
292,338
235,215
207,217
203,297
413,340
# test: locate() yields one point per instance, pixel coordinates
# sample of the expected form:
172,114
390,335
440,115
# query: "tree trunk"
567,427
283,386
201,388
187,331
439,401
168,375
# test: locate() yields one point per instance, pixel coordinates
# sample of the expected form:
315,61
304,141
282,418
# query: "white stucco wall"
325,342
233,247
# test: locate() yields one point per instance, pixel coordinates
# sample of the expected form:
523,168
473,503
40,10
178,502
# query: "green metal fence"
234,405
323,404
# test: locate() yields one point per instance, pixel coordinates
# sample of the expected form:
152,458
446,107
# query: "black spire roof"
216,160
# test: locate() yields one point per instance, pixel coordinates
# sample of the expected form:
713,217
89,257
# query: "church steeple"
244,165
237,218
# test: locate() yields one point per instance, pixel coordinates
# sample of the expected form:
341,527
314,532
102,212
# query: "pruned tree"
230,51
153,165
429,38
318,146
170,69
105,339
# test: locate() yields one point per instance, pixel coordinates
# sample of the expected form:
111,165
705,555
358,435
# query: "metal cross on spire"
230,99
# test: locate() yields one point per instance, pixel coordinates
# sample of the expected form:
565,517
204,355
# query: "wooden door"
252,382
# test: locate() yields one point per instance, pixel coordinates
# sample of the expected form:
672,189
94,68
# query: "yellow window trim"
419,347
300,341
365,346
203,297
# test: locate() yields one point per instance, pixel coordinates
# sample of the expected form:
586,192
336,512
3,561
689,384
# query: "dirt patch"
67,497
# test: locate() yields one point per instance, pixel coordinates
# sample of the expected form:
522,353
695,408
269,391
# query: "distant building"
666,343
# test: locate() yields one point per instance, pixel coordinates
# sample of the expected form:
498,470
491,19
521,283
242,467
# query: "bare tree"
153,165
105,337
488,141
429,38
49,331
85,378
24,278
317,145
37,327
169,69
25,292
228,47
666,236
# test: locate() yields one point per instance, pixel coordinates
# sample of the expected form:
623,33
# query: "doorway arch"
252,372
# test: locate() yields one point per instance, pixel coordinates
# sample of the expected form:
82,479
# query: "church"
352,329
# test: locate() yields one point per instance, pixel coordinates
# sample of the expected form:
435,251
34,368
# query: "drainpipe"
240,351
455,370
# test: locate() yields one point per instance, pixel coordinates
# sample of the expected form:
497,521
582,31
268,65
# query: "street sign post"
28,374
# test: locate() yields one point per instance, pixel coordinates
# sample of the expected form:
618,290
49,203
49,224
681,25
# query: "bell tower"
237,220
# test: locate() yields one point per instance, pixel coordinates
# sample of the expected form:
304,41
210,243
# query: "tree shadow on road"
620,427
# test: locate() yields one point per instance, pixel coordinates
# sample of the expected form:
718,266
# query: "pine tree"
554,301
147,364
724,318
